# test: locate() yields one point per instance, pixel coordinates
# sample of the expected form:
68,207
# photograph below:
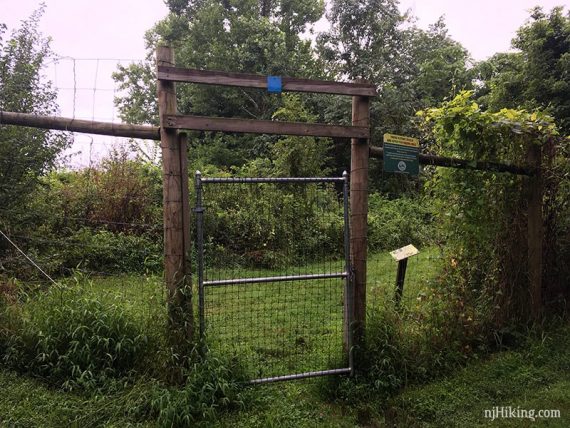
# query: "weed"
75,341
212,385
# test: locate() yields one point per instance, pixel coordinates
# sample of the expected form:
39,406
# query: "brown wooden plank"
290,84
176,245
535,230
203,123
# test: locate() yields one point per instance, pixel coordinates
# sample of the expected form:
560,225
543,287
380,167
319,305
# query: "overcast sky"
115,28
110,30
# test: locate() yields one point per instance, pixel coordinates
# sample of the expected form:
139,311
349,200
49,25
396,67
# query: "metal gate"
274,276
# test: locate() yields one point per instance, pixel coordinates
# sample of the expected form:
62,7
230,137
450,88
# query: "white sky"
484,27
109,30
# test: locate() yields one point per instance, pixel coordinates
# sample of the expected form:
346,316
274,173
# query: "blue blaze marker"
274,84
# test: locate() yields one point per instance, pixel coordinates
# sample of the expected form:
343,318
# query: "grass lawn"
535,376
294,327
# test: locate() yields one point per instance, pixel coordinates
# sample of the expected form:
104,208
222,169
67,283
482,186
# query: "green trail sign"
401,154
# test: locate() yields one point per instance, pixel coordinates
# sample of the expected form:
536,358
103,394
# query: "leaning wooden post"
359,217
175,210
535,229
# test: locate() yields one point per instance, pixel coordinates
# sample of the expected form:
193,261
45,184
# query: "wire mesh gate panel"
274,274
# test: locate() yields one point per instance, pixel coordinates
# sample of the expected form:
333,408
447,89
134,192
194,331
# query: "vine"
483,214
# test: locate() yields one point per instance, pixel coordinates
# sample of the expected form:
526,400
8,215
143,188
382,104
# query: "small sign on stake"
401,255
401,154
404,252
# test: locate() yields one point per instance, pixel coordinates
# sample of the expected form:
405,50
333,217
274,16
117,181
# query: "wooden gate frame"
173,144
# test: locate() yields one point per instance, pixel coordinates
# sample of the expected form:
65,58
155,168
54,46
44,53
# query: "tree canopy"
537,75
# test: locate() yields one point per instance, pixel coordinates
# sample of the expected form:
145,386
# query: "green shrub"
75,341
393,223
483,214
406,347
212,385
271,225
109,252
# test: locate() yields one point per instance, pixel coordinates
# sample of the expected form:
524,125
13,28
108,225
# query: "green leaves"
76,342
483,214
537,75
25,153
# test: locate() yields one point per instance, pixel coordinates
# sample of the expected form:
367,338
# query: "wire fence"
265,244
112,270
87,90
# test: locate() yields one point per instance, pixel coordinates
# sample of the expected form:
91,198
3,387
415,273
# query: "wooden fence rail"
57,123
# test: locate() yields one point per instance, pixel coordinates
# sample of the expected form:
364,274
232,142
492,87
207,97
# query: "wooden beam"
76,125
378,152
204,123
359,218
289,84
535,230
176,223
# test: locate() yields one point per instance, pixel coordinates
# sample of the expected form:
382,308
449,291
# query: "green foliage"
393,223
299,156
536,77
413,68
532,375
211,386
121,194
404,348
104,219
270,226
25,153
75,341
242,36
483,213
85,338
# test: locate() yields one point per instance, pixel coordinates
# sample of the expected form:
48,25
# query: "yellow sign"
404,252
401,140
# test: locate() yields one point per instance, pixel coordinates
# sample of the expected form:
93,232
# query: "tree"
25,153
243,36
537,76
412,68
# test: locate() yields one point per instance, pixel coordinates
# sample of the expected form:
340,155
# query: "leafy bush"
212,385
105,218
405,347
484,214
75,341
393,223
272,225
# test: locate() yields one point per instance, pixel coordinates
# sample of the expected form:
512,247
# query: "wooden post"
400,279
359,216
535,230
176,211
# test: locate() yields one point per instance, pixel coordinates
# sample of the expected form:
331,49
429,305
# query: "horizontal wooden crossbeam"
378,152
203,123
289,84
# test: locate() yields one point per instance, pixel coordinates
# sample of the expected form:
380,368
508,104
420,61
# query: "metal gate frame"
347,274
